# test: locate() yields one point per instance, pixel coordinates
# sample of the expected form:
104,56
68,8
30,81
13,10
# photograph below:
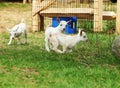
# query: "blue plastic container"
70,28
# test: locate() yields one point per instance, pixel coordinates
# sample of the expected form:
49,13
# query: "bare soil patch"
12,16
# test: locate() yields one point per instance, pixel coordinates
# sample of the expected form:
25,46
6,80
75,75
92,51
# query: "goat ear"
8,29
69,21
22,20
58,19
80,31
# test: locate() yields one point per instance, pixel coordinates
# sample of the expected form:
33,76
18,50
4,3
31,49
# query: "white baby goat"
66,41
17,31
54,31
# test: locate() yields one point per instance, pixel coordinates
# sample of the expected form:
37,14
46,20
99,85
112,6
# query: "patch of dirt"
12,16
3,69
26,70
30,71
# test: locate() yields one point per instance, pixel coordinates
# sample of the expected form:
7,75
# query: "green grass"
90,65
13,5
88,25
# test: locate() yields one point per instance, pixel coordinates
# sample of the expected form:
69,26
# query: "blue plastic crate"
70,28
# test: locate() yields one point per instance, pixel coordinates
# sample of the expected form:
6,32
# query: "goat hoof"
9,44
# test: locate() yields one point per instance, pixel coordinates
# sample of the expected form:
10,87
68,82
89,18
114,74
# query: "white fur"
66,41
17,31
51,30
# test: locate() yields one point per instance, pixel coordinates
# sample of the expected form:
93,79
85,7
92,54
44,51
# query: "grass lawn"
90,65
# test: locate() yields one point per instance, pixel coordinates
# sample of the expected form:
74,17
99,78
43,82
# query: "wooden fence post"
118,18
98,15
35,19
24,1
41,19
85,1
30,1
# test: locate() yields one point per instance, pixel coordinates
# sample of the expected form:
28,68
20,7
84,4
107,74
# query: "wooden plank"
82,13
108,15
85,1
43,5
118,18
68,10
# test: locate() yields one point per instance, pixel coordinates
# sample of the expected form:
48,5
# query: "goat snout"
12,37
87,40
63,30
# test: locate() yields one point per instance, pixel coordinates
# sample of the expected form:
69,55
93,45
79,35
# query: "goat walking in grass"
54,31
17,31
66,41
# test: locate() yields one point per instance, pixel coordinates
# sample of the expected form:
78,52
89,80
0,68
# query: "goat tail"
22,20
47,44
48,26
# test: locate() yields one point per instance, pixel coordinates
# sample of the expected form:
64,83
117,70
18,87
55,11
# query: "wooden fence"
42,8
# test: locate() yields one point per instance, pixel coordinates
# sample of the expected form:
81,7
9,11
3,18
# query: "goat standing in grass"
54,31
66,41
17,31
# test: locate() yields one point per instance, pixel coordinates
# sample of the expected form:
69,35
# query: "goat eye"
84,36
60,24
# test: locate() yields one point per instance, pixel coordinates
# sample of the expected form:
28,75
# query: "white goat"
17,31
54,31
66,41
